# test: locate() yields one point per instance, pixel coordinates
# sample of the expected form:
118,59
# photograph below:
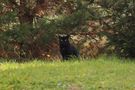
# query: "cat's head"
64,40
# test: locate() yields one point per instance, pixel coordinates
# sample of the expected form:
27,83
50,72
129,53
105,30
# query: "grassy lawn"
100,74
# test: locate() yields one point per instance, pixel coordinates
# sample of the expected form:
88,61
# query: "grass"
101,74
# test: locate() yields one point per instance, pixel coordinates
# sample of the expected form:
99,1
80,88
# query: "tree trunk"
25,14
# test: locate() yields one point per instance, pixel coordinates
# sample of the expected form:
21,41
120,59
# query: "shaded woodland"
29,28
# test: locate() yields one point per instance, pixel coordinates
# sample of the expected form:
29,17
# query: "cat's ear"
68,35
58,35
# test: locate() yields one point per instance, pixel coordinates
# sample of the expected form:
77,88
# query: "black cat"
66,49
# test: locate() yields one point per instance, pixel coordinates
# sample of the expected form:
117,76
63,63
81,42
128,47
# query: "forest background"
29,28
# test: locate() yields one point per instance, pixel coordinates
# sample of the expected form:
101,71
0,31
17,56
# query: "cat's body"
66,49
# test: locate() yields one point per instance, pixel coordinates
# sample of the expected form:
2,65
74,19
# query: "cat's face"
63,40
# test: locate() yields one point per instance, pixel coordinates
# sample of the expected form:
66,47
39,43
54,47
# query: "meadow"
104,73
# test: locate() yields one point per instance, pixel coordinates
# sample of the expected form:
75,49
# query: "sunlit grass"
104,73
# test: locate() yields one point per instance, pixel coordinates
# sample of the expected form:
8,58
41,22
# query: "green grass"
101,74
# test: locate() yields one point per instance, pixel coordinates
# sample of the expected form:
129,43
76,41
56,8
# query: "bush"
122,35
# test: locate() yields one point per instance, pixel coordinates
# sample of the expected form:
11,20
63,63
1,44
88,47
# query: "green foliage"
103,73
67,17
8,18
68,23
123,31
17,34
